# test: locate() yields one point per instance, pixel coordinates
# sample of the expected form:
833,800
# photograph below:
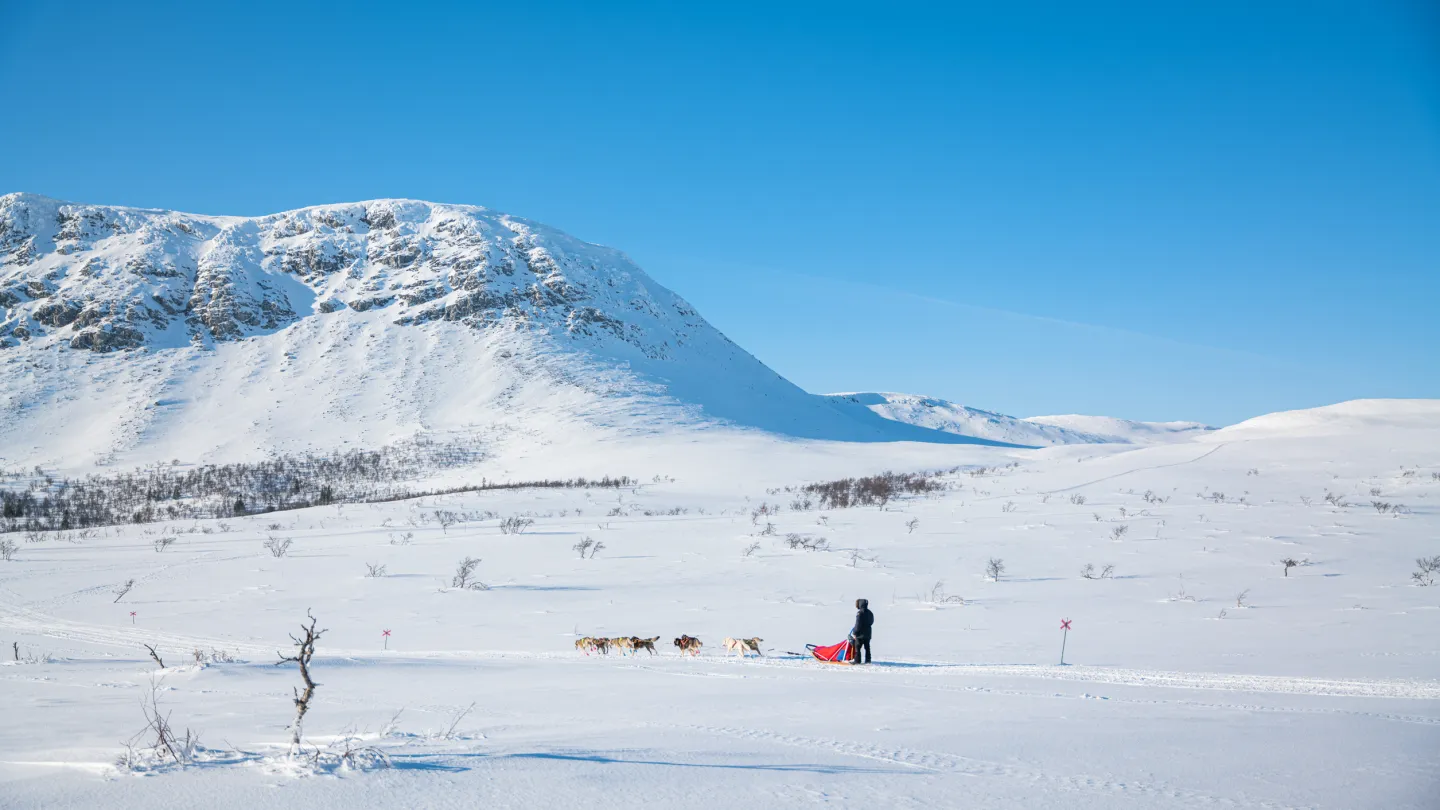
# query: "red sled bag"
834,654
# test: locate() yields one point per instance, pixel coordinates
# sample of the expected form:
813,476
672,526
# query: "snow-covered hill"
133,335
938,414
1035,431
1125,430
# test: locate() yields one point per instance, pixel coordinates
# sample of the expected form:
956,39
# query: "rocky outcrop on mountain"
104,278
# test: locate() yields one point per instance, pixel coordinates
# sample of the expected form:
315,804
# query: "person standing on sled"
860,634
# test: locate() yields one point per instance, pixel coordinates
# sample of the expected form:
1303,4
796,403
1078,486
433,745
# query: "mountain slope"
128,333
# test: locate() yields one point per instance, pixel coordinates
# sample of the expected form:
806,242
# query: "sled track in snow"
940,762
26,621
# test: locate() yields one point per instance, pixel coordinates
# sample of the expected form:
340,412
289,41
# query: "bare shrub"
769,530
304,652
937,596
122,589
1336,500
1118,532
1305,499
277,547
464,578
1288,563
515,524
162,542
8,548
911,525
446,519
750,550
1426,569
1240,598
155,655
402,539
1375,492
1088,572
994,568
375,569
1381,506
1077,499
583,546
1007,507
449,732
165,745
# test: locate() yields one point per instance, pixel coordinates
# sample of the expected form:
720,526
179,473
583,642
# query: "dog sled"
833,654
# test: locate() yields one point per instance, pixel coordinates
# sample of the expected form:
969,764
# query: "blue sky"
1152,210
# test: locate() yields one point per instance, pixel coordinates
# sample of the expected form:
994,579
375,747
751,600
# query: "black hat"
862,603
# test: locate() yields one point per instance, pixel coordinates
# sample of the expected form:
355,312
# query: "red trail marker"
386,635
1065,630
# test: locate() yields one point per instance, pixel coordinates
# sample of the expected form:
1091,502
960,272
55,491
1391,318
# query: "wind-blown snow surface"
131,335
1322,691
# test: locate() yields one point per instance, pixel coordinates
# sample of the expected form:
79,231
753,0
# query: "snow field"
1324,691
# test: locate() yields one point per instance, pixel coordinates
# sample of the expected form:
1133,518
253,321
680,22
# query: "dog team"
685,644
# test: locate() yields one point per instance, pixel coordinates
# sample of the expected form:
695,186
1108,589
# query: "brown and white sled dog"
744,646
647,644
688,644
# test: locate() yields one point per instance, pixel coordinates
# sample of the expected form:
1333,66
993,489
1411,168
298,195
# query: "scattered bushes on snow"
874,490
805,542
1088,572
1077,499
375,570
592,546
170,492
8,549
515,524
277,547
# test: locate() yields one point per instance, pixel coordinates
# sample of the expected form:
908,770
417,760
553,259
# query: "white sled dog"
744,646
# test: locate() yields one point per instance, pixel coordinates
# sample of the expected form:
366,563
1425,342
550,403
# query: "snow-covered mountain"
134,334
938,414
1125,430
1037,431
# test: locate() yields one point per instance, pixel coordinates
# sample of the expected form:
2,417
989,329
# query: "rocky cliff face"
105,279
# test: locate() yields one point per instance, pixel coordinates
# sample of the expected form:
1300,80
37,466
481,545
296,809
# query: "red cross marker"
1064,624
132,617
386,635
1065,629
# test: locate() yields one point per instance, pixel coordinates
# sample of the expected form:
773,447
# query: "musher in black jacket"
860,634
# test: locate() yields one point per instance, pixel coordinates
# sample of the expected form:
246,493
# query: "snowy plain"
1323,691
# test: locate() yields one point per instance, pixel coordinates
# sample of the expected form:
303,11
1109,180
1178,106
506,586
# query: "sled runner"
833,654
